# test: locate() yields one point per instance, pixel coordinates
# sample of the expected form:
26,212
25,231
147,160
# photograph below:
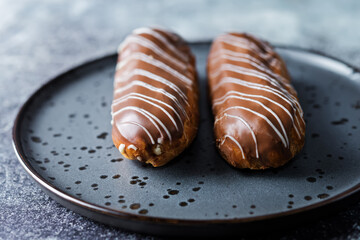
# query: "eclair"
155,106
258,122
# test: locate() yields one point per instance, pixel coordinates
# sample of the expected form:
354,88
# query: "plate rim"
351,192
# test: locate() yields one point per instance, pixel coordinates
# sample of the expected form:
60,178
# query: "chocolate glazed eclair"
258,119
155,107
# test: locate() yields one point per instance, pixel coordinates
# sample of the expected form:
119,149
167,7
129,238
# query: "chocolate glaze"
155,84
258,119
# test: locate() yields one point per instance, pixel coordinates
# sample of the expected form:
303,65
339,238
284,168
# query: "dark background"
41,39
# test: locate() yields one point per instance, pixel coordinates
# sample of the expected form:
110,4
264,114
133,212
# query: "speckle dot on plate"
135,206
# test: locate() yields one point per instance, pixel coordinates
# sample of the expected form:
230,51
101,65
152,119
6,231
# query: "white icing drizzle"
236,142
227,59
250,72
248,42
263,117
273,80
254,86
254,73
253,48
153,99
247,125
163,39
154,77
154,50
157,63
240,45
245,58
236,55
167,32
141,126
240,41
149,116
297,121
141,98
139,110
153,47
270,111
290,101
154,89
232,94
286,97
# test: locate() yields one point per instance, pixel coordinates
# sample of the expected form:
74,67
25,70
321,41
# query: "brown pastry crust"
155,107
258,119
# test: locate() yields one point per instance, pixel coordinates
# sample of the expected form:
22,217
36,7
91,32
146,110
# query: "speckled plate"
62,136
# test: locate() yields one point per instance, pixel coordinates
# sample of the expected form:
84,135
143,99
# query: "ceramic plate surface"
62,136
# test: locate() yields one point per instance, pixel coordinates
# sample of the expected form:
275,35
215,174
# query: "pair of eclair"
258,119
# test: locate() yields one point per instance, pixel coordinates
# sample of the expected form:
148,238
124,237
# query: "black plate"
62,138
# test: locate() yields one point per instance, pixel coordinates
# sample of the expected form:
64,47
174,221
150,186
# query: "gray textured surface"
40,39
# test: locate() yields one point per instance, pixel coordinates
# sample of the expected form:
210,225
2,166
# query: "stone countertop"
40,39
